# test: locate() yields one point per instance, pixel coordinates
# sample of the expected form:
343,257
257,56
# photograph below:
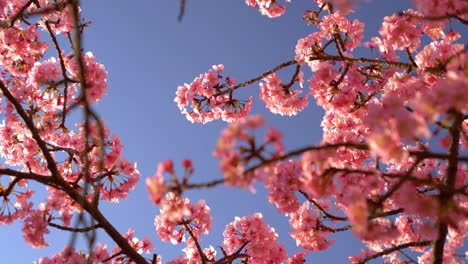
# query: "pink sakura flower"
313,164
341,6
336,23
415,204
391,117
46,71
175,211
95,73
275,138
387,146
446,94
210,253
233,154
137,244
306,229
34,229
100,253
308,47
319,85
68,255
187,164
207,99
441,7
156,188
260,240
166,166
118,186
359,258
192,255
178,260
17,205
435,53
61,22
402,31
279,99
385,48
357,210
282,184
24,41
268,8
297,258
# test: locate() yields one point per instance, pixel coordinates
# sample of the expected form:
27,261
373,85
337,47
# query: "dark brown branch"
202,185
386,213
18,15
74,229
51,165
104,224
203,257
10,187
246,83
397,64
113,256
181,10
52,7
341,229
446,196
456,16
305,149
293,78
419,154
397,186
395,248
322,210
228,259
410,57
64,72
263,75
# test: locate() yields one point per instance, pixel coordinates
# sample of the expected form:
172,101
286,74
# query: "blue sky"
147,54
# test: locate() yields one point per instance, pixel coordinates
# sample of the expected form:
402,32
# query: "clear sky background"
147,54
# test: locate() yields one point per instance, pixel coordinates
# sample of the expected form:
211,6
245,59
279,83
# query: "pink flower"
401,31
34,229
207,98
259,239
95,73
279,99
308,47
306,229
175,211
268,8
233,155
156,188
282,184
336,23
297,258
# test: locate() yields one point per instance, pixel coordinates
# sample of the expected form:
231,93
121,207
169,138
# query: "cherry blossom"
390,167
259,240
207,98
279,99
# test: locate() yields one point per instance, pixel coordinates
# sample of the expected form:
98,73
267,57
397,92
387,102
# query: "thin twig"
395,248
75,229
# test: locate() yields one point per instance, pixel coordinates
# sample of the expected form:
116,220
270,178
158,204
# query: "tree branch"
446,196
74,229
395,248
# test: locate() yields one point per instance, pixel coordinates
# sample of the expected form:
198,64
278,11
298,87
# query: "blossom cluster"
233,156
207,99
278,98
282,184
178,211
259,240
268,8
